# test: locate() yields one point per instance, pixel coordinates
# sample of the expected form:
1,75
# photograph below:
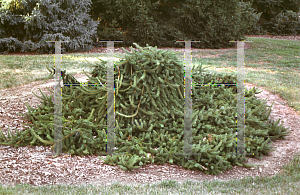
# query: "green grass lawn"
267,60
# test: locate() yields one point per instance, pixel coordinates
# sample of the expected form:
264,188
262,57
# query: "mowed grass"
16,70
272,63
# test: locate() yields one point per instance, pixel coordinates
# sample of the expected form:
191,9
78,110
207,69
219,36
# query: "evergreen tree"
126,20
274,12
215,22
26,25
162,22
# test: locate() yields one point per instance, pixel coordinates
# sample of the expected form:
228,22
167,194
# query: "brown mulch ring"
34,165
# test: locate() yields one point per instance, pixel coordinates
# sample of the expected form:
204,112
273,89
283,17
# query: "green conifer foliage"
162,22
150,82
27,25
272,19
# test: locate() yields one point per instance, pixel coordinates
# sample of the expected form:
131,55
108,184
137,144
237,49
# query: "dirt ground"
36,165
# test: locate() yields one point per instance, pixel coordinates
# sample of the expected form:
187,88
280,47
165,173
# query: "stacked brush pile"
149,116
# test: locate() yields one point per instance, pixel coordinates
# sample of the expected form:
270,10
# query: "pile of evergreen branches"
149,108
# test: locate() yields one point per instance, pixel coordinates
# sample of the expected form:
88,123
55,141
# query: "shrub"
162,23
29,46
33,22
9,44
287,23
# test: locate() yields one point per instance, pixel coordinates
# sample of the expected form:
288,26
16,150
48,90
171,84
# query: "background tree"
27,24
275,12
162,22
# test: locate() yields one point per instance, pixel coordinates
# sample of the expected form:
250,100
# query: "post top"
240,41
58,41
